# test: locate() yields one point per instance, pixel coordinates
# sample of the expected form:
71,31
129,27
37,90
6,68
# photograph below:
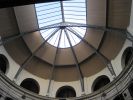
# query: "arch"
100,82
130,88
119,97
31,85
126,56
8,98
66,92
4,64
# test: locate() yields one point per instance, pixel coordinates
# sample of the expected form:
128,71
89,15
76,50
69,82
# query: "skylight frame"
66,43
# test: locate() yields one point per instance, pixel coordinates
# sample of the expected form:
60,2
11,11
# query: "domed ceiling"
42,56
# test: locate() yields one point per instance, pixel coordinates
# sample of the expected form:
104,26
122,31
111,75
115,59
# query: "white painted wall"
116,63
89,81
13,66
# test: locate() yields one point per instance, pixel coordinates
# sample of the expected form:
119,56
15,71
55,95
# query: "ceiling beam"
62,11
76,62
7,39
129,36
107,20
105,60
33,54
14,3
54,62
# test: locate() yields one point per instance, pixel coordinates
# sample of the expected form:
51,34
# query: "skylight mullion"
57,39
70,35
47,34
64,11
79,31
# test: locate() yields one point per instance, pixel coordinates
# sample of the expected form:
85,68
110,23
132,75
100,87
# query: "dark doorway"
100,82
8,98
119,97
3,63
126,57
66,92
130,88
31,85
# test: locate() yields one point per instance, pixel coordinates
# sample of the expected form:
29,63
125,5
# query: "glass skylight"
72,11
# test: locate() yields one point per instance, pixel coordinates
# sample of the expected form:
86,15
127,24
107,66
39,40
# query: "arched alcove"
4,64
119,97
126,56
66,92
8,98
31,85
100,82
130,88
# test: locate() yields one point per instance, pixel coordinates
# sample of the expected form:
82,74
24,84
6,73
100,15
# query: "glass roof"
72,11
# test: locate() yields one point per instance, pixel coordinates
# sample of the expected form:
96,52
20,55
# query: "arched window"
65,92
31,85
3,63
8,98
100,82
126,57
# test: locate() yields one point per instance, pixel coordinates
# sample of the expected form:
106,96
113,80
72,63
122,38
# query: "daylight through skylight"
72,11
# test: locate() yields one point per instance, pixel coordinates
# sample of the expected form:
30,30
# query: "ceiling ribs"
106,61
7,39
107,19
76,62
62,11
33,54
54,62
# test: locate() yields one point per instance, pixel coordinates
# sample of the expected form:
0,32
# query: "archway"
100,82
3,63
126,57
31,85
130,88
8,98
119,97
65,92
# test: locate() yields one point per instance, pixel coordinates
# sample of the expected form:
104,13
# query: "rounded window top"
31,85
100,82
66,92
3,63
126,57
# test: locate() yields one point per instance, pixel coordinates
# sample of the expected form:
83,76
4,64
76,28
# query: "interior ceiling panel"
33,40
94,37
18,50
8,23
96,12
41,64
119,13
65,77
39,68
47,53
112,44
83,51
92,66
65,57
